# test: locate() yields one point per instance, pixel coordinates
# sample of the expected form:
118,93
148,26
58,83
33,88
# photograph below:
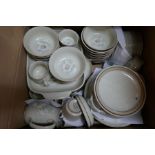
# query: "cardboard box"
13,87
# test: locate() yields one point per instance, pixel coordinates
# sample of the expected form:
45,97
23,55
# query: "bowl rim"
96,51
34,53
108,27
82,59
72,31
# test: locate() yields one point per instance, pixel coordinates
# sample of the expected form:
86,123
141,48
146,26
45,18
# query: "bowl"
72,114
119,91
90,50
96,55
68,37
100,38
41,42
67,64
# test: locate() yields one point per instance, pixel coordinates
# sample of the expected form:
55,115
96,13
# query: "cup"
38,72
71,110
68,37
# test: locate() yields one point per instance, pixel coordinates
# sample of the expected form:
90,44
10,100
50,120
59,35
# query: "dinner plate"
119,91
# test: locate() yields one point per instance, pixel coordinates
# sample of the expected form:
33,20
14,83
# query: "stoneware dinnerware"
100,38
119,91
72,114
38,71
42,115
41,42
68,37
67,64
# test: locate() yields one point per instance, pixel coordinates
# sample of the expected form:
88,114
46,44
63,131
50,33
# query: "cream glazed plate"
67,64
119,91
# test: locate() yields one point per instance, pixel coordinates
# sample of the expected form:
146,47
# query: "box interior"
13,84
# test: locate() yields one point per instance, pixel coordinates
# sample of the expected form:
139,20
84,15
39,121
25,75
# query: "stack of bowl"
98,43
115,92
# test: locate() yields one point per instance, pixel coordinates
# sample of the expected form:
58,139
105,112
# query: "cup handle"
35,126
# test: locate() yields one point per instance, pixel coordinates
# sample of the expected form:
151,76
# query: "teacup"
38,71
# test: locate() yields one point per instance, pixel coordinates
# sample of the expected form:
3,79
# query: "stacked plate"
98,43
85,110
114,93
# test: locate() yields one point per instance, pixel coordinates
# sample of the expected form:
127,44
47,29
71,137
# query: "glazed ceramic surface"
72,114
67,64
120,91
100,38
68,37
96,56
39,113
55,89
86,110
88,69
38,71
41,41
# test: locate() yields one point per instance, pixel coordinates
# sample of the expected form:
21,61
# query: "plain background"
77,13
